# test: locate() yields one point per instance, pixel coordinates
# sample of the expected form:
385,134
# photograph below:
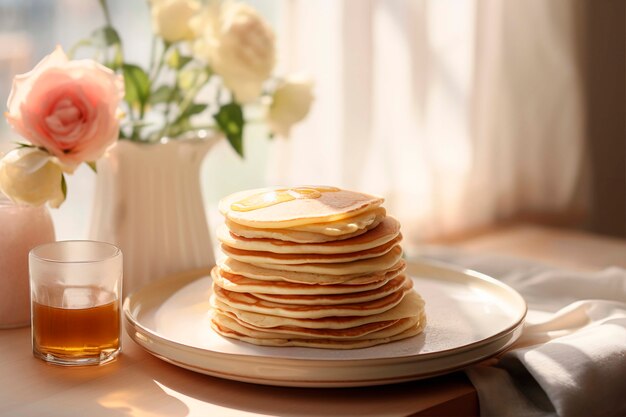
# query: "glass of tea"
76,288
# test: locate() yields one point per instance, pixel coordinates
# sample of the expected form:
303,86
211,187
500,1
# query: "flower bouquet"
223,50
209,64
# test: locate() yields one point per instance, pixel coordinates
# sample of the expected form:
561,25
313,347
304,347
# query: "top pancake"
386,231
342,227
304,205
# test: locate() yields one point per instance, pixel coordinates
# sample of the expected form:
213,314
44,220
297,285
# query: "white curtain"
458,112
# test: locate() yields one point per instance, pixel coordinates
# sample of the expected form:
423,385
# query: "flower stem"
153,47
105,11
189,96
158,66
168,109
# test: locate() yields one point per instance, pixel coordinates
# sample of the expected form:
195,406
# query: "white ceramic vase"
149,203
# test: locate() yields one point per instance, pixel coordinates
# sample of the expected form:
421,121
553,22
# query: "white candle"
21,229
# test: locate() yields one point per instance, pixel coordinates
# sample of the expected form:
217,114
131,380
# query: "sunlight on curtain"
528,109
393,81
458,112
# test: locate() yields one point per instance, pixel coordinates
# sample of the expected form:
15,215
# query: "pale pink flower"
67,107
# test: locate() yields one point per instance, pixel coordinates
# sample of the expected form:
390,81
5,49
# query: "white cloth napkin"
571,357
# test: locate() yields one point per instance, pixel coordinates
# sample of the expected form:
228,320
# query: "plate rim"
333,383
133,325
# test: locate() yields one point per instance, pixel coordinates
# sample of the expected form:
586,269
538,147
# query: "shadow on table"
397,399
62,391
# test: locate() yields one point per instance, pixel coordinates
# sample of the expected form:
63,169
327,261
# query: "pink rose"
67,107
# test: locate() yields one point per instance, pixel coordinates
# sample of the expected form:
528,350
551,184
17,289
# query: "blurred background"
465,115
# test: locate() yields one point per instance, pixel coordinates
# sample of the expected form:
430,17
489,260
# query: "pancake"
312,266
361,266
280,207
336,299
342,227
291,235
249,302
238,283
235,267
260,257
411,305
232,323
326,343
387,230
366,331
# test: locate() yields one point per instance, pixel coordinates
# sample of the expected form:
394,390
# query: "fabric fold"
571,357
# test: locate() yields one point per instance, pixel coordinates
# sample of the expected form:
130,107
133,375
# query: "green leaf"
176,61
105,36
137,84
63,186
182,123
24,145
230,120
92,165
194,108
163,94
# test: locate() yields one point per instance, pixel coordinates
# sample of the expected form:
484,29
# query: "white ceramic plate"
470,317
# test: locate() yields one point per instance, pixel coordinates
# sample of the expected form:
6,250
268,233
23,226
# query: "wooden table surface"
138,384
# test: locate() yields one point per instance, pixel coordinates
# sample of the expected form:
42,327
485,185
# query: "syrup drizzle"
271,198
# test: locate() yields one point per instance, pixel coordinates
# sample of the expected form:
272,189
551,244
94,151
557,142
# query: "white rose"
29,176
239,46
290,104
170,19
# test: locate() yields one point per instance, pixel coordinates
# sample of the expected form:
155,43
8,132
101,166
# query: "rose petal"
22,83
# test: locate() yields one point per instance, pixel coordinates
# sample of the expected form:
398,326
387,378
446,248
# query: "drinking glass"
75,301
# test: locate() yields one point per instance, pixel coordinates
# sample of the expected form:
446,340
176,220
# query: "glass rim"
33,252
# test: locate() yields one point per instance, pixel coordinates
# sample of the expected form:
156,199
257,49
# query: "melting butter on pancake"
339,228
243,284
235,267
271,208
387,230
410,306
316,232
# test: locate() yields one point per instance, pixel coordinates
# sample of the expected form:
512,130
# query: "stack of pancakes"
312,266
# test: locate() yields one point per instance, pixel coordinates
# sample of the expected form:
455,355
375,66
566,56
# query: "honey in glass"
84,323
